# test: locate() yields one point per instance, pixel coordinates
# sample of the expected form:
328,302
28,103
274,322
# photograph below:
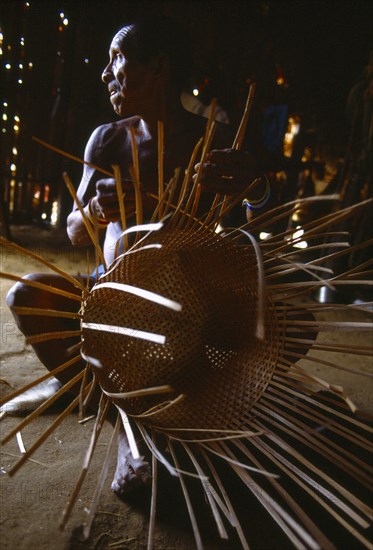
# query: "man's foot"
31,399
130,473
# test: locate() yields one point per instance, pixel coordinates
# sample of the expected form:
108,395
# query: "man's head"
142,55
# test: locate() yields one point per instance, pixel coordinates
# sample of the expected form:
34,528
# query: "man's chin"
120,109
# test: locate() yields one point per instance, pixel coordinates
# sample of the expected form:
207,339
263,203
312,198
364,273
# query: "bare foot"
31,399
130,473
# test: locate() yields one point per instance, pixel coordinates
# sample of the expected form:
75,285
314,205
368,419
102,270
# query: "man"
148,66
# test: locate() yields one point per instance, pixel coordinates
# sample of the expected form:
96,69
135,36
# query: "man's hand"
227,171
105,204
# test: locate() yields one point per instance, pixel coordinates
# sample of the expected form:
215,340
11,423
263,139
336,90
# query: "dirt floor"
32,501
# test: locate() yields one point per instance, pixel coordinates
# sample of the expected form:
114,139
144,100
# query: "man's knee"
22,293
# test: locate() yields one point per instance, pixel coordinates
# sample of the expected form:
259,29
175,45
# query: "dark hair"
149,36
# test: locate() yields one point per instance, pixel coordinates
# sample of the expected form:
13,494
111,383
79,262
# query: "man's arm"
86,192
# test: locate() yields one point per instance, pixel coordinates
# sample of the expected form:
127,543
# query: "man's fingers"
107,186
211,171
231,157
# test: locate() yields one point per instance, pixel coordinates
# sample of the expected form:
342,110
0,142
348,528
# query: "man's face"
130,83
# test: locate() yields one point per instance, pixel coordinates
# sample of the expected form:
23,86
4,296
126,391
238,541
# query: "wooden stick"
238,140
122,209
43,261
101,414
101,481
34,383
287,386
298,430
90,230
284,211
153,502
135,154
160,165
234,519
72,157
188,502
209,491
206,148
41,286
184,187
138,198
168,192
42,407
46,336
211,117
233,202
237,143
44,436
39,311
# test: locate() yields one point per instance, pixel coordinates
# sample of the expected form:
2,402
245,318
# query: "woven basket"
211,355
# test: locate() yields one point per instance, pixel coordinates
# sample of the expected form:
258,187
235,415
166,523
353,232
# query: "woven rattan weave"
211,355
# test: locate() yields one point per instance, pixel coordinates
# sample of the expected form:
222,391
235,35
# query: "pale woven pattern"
211,355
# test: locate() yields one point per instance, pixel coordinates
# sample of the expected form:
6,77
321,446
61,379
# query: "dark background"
320,48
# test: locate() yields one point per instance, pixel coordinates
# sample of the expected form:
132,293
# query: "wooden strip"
297,509
293,453
329,410
41,286
350,497
34,383
39,311
211,117
92,232
168,194
331,325
206,148
299,431
333,347
44,436
209,492
197,535
160,166
135,154
153,502
44,406
232,203
7,244
323,439
46,336
296,474
101,414
284,211
100,484
72,157
238,140
184,187
317,360
277,513
233,517
138,199
332,425
122,207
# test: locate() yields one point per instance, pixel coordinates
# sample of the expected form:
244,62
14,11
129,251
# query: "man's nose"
107,74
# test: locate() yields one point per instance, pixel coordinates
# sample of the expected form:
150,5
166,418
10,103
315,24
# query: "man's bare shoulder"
115,128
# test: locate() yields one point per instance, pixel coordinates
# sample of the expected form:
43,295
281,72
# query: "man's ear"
161,65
